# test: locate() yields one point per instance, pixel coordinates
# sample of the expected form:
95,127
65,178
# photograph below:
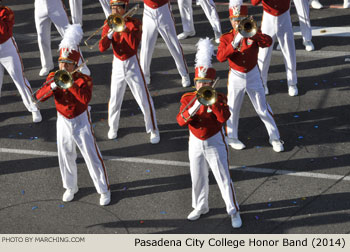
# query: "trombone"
63,80
116,22
205,95
247,27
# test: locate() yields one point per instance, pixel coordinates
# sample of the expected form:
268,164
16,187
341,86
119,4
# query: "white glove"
53,86
237,40
193,110
110,33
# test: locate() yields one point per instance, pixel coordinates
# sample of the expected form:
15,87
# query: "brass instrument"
206,96
247,27
116,22
63,80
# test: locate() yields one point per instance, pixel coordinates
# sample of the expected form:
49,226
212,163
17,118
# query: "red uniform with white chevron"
207,148
244,77
127,71
12,62
244,58
74,128
204,125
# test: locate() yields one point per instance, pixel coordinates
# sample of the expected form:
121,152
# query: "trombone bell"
63,79
116,22
247,27
206,95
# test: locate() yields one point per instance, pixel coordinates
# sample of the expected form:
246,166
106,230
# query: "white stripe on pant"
156,21
238,84
129,72
212,153
279,27
78,132
11,61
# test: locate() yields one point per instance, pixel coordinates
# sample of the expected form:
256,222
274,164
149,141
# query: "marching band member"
46,12
157,18
127,70
206,145
74,127
186,12
303,11
277,23
12,62
244,76
76,11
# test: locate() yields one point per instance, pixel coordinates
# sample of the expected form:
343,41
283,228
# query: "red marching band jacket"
69,102
7,20
124,43
274,7
154,4
204,124
245,56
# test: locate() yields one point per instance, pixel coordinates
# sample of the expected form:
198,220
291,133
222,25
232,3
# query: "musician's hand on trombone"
235,43
110,33
193,110
116,22
53,86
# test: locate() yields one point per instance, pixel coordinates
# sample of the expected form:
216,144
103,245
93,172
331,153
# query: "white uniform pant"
161,21
213,153
46,12
279,27
78,132
76,10
240,83
12,62
106,8
303,10
186,12
129,72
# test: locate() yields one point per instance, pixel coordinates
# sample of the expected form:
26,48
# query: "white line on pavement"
186,164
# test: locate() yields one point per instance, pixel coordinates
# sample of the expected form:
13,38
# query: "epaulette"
51,74
188,94
227,32
85,77
11,15
223,96
136,22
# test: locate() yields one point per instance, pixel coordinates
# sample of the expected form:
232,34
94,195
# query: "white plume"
234,3
73,34
205,50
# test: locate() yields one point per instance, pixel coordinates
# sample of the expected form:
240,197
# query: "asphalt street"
305,189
